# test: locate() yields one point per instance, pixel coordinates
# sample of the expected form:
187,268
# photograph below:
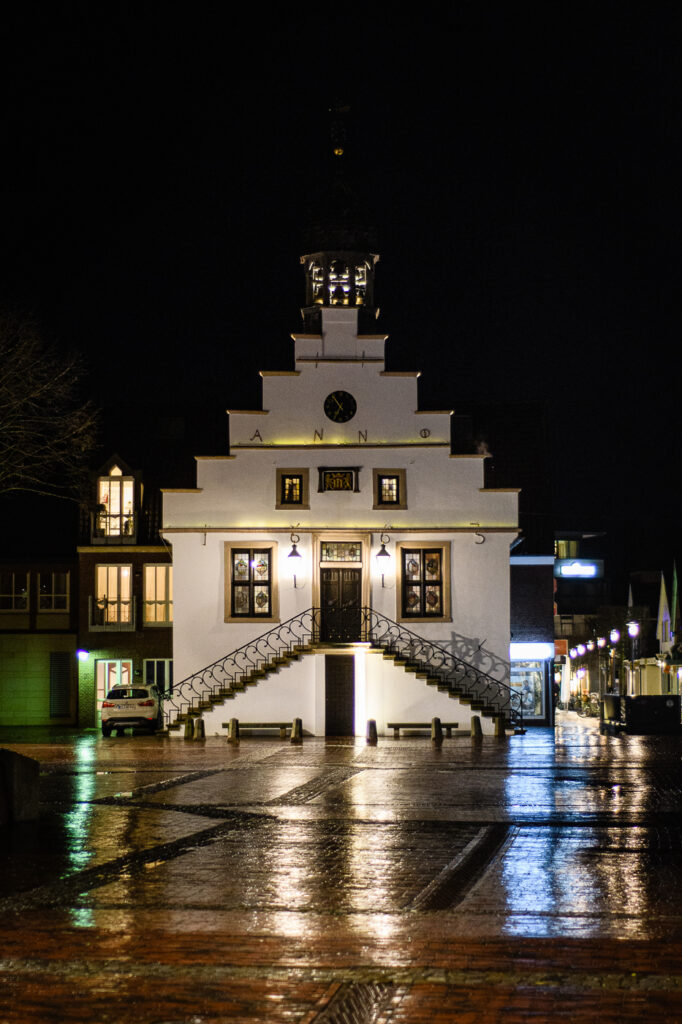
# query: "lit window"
389,488
250,575
527,679
53,591
339,283
13,591
113,594
424,581
292,488
341,551
116,504
158,594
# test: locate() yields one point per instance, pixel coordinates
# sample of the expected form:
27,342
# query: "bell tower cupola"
340,245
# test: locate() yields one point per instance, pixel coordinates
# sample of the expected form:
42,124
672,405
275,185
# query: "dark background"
520,162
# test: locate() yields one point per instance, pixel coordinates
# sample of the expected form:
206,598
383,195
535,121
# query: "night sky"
520,162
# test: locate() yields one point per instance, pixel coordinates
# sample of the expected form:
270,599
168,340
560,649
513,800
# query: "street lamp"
633,633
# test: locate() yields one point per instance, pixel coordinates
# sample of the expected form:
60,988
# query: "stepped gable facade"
339,516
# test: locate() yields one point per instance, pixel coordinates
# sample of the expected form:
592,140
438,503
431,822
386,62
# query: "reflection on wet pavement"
396,867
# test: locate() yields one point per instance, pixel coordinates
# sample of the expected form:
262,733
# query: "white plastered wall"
383,692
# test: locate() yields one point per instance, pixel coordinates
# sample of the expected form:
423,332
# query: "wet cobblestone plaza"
171,882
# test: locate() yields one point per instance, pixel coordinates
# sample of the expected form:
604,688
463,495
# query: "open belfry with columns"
340,565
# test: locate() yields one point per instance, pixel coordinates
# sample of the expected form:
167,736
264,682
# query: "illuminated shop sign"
579,568
530,651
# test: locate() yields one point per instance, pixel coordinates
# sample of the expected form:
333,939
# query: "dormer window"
115,504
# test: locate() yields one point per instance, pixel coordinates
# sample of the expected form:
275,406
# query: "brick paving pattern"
172,882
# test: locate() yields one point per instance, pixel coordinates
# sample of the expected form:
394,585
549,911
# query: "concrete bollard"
476,730
297,731
233,731
436,731
189,729
199,729
372,732
18,787
499,729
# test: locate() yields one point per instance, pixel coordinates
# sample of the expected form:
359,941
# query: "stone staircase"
299,636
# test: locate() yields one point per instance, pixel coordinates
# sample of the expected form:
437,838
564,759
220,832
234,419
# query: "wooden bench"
397,726
282,726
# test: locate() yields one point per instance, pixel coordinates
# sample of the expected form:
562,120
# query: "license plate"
121,707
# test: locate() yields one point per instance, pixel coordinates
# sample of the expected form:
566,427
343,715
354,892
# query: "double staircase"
301,635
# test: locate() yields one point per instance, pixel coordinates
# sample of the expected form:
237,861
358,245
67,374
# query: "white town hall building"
335,564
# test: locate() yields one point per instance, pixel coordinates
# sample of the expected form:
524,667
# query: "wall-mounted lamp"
381,556
82,654
295,565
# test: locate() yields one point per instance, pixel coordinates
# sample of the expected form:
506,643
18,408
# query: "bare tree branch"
46,432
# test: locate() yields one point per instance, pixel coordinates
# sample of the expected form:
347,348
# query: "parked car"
126,706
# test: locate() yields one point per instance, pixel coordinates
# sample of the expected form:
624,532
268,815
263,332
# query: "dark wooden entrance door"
339,694
340,599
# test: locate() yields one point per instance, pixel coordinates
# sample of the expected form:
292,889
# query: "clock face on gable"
340,406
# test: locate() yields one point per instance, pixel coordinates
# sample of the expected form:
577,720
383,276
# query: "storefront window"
527,678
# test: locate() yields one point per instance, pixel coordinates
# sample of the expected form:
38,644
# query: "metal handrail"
430,657
364,625
300,630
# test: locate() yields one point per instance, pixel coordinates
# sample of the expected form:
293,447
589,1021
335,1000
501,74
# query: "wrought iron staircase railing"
243,667
288,641
471,685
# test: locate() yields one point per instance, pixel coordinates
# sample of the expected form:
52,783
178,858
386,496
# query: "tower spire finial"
337,129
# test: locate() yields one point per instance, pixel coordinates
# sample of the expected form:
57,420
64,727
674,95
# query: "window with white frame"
158,595
113,593
251,578
116,504
13,591
424,581
53,591
158,672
